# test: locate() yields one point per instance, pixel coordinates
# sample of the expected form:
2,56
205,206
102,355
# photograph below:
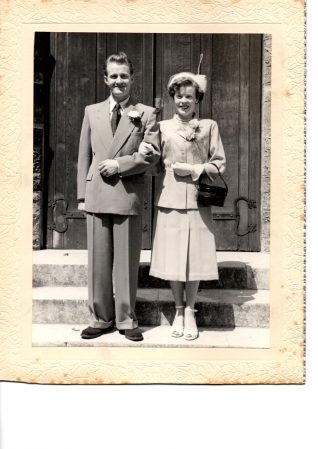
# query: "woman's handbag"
210,195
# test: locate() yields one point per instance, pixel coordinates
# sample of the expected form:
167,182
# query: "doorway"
232,63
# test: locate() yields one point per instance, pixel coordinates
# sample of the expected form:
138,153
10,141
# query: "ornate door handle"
60,215
251,205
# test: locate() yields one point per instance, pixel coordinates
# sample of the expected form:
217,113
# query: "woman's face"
185,101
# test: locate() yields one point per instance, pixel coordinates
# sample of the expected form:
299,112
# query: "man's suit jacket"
121,193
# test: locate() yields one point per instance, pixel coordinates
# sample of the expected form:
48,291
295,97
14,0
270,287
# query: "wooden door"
232,63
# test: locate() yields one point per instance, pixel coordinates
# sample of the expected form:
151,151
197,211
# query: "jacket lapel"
180,129
113,144
123,131
103,124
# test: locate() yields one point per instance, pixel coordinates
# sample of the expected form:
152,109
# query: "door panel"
225,111
232,63
255,137
243,140
80,91
174,53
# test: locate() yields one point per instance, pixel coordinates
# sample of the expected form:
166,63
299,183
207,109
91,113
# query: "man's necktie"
115,117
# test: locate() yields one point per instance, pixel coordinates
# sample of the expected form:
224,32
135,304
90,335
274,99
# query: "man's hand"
108,167
145,148
182,169
81,206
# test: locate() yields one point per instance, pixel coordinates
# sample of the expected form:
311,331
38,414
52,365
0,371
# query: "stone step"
216,307
239,270
67,335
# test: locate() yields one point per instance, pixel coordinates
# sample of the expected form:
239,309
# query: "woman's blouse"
198,143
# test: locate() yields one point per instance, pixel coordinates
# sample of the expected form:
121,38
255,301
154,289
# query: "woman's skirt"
184,247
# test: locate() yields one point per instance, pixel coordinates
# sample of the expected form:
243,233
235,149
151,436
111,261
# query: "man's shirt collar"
112,103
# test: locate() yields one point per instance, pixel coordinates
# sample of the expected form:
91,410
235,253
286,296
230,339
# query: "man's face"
119,80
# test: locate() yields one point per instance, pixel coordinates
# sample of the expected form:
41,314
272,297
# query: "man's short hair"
119,58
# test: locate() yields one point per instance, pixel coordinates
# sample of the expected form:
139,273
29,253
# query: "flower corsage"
134,116
193,127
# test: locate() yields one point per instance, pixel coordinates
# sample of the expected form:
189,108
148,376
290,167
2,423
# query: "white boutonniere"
134,115
192,128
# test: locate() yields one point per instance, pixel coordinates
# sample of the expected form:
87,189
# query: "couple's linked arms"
110,167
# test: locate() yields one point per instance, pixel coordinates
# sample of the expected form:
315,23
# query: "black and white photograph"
151,190
152,223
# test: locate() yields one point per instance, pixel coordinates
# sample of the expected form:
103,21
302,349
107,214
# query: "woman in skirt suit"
184,247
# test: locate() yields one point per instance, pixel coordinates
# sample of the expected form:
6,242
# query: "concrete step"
69,335
216,307
239,270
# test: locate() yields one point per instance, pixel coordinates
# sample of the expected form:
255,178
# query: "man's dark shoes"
132,334
94,332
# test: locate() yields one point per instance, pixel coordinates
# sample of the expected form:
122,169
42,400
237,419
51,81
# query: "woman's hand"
182,168
145,148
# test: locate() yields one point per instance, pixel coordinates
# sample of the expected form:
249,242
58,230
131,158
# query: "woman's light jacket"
203,147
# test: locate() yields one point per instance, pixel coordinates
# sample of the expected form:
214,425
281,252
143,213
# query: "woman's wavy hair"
185,82
119,58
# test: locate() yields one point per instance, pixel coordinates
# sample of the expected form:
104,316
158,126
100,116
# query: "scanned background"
283,363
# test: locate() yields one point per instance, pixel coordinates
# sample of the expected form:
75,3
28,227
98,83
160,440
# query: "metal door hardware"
60,215
251,205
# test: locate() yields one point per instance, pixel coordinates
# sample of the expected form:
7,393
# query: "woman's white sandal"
190,334
177,329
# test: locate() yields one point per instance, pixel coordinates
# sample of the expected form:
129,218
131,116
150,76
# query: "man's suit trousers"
114,244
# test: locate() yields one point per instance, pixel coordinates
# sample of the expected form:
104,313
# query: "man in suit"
110,184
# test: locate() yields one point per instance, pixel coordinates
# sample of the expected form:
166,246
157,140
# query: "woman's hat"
200,80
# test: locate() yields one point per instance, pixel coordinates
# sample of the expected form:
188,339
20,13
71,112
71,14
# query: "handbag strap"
212,163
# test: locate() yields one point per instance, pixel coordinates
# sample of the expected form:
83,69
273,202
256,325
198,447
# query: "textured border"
283,362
